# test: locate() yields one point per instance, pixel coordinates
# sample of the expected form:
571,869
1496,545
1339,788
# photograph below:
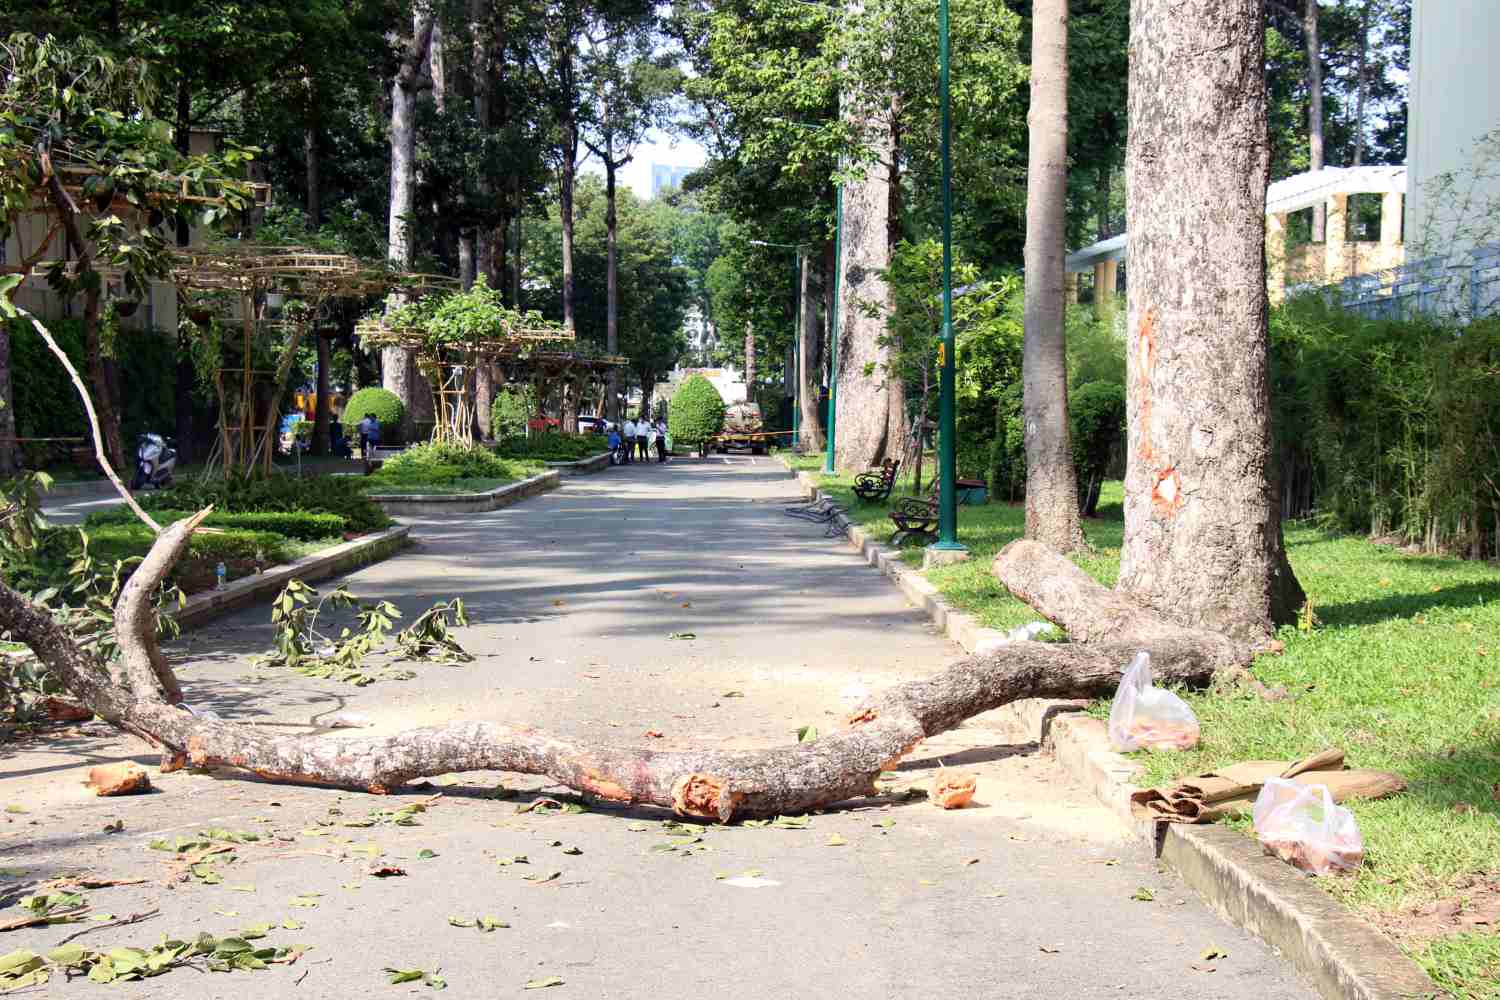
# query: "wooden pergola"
252,275
452,367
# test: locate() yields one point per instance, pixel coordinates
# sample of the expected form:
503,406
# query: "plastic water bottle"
219,574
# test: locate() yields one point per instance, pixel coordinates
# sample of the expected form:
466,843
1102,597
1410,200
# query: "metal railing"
1463,289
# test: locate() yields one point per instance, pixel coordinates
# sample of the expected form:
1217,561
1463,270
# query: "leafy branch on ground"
354,655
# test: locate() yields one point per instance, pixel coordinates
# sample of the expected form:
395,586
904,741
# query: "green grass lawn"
1402,672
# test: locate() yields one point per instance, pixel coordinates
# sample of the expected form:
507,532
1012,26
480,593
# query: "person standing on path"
661,440
629,440
641,428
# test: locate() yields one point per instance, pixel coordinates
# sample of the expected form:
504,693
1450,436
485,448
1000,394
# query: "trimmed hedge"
442,464
302,525
122,541
277,493
552,447
386,406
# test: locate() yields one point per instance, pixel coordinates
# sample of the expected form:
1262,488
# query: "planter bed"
426,504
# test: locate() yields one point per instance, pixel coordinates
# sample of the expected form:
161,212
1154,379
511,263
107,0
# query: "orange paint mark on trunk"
1166,495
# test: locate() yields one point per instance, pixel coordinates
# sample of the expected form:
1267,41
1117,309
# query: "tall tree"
1203,541
631,92
1051,485
1314,106
396,363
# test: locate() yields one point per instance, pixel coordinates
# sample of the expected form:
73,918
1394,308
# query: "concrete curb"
1342,956
249,590
582,467
419,504
81,488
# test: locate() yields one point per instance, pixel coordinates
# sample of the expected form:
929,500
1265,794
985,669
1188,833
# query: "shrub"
1096,413
277,493
443,463
122,541
386,406
696,412
302,525
509,411
551,447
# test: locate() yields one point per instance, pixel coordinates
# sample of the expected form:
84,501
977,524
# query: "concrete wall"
1454,102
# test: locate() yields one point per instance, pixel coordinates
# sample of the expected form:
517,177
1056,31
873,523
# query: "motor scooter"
155,460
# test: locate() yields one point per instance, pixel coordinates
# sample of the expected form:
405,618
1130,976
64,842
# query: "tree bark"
136,695
322,442
862,436
1203,543
1314,107
750,372
185,375
484,399
1361,88
563,51
395,362
1051,485
809,433
310,152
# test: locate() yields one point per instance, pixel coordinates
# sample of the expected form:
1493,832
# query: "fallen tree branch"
704,783
1089,612
88,405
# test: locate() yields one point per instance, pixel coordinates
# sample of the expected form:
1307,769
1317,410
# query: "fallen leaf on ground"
732,694
572,850
806,734
488,924
654,734
1048,951
1211,953
307,902
834,840
683,635
540,878
1143,895
426,854
387,871
541,984
461,921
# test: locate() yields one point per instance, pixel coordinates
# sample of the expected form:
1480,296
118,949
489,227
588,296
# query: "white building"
1453,126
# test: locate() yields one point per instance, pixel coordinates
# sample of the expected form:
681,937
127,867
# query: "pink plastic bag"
1146,717
1301,825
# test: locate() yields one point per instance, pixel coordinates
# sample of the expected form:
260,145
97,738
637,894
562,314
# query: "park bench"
872,486
918,517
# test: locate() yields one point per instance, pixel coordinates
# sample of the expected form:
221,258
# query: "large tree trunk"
185,375
1314,107
1051,485
611,284
862,435
751,374
138,693
484,399
1361,91
809,365
1203,539
310,152
563,51
396,364
322,442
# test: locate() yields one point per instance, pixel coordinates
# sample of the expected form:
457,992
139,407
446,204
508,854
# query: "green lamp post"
947,454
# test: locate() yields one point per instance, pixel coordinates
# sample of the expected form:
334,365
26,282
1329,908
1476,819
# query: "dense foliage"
696,412
300,524
1390,427
550,447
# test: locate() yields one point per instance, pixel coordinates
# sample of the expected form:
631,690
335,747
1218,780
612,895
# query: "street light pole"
947,455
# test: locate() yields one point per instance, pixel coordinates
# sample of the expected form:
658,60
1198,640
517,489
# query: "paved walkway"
575,595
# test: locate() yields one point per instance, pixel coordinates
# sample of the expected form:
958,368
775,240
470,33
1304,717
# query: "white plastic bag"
1146,717
1301,825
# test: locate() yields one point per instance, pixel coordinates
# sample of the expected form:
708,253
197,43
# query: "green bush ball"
386,406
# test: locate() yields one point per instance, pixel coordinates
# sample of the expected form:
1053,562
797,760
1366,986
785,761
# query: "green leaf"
15,810
1143,895
292,925
461,921
834,840
682,635
807,734
404,975
572,850
539,878
426,853
488,924
792,822
514,859
307,902
541,984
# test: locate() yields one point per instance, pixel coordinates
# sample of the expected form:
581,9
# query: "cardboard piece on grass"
1231,791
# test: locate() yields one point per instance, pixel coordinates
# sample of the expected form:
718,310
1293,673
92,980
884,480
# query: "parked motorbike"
155,460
